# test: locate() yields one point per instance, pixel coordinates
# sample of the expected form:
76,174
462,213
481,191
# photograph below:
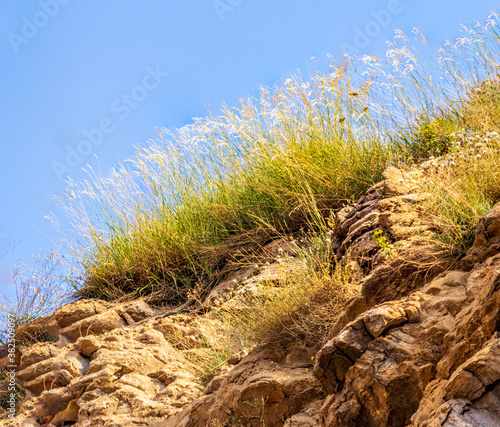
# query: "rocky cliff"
419,346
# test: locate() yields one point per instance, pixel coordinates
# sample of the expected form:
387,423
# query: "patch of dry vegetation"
463,185
306,302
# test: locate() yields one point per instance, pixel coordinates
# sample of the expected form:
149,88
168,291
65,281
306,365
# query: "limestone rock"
117,372
419,346
261,390
307,417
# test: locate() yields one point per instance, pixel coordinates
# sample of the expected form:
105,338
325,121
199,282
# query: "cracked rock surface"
110,369
420,346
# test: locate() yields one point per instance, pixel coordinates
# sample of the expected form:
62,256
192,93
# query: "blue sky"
82,82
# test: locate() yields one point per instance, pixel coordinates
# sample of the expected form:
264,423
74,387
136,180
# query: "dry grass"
205,342
305,303
464,185
40,289
482,113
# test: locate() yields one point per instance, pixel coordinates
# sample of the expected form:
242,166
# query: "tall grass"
280,161
463,186
40,289
277,162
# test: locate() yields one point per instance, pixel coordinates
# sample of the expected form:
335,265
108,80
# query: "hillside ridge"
418,345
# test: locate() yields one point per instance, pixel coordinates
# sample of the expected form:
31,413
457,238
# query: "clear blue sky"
73,71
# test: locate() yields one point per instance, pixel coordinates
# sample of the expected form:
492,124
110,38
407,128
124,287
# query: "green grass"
282,160
280,167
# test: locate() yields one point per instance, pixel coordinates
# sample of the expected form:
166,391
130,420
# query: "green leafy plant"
387,249
431,139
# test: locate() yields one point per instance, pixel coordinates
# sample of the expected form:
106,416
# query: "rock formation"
420,346
113,364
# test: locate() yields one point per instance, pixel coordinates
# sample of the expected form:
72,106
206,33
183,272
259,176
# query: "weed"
432,139
387,249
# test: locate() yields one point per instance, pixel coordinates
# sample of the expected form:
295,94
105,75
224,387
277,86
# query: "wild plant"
293,152
40,289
